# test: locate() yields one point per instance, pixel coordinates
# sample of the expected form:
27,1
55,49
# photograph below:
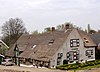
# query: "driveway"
31,69
25,69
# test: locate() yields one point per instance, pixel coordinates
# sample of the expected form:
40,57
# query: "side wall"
66,48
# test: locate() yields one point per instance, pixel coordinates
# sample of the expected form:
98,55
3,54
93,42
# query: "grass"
84,68
89,67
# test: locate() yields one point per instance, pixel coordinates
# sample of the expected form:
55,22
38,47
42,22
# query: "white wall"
66,48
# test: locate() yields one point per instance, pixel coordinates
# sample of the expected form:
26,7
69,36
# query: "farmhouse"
54,48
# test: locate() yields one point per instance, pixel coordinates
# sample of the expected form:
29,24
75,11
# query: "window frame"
91,52
74,41
51,42
59,58
71,54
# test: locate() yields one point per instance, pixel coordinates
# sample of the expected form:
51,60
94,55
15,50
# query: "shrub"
78,65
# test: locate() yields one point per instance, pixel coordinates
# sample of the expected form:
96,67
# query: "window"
59,58
86,40
89,52
60,54
72,55
34,46
51,41
76,55
74,43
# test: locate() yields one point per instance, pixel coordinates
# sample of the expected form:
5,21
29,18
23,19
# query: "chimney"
89,28
67,26
53,28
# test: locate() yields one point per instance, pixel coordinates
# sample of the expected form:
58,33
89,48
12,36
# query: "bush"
65,62
78,65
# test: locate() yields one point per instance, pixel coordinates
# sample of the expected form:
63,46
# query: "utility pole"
89,28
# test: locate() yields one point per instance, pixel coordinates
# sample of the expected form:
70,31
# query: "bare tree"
12,30
48,29
59,27
35,32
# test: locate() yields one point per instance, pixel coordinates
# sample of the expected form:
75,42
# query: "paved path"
24,69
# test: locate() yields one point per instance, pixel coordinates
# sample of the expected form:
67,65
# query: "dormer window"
74,43
34,46
51,41
86,41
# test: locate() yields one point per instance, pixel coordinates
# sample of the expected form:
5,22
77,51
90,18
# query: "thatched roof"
96,37
44,51
88,42
43,46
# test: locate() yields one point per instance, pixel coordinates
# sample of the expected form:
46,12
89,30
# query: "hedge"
78,65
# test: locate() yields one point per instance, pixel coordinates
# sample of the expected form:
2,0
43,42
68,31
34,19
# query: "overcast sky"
39,14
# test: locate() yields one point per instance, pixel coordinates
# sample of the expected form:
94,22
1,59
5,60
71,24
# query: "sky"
39,14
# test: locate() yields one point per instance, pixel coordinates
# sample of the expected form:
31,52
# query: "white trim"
90,59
